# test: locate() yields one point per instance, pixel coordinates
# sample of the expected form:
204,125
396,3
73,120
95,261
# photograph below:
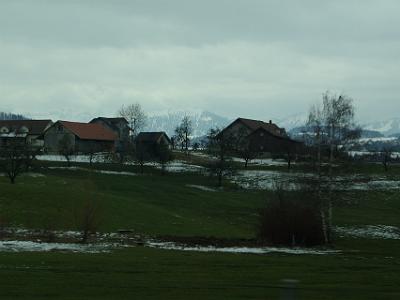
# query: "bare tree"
16,158
221,146
247,152
183,132
243,146
66,148
164,156
91,152
315,133
89,219
386,155
332,126
126,152
141,156
179,137
135,116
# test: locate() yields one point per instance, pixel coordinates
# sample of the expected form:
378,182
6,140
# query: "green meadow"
159,206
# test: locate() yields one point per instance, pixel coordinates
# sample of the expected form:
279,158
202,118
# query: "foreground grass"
162,205
166,205
148,204
143,273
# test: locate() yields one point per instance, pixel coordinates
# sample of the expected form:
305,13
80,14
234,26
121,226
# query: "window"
60,128
261,133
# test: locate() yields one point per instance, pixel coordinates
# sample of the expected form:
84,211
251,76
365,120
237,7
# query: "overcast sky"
252,58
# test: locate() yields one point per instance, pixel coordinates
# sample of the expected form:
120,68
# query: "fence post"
288,289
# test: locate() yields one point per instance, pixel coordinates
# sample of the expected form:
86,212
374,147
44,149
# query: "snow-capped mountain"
390,127
293,121
202,122
387,127
65,115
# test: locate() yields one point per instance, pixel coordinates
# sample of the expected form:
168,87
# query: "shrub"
291,218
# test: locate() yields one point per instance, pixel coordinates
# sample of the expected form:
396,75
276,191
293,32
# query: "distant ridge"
11,116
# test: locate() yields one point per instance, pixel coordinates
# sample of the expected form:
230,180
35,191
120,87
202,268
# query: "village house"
23,131
260,136
79,137
119,126
150,142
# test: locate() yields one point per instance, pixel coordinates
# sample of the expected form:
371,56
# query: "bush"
291,219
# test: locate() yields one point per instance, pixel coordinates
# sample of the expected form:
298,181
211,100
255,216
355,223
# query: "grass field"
165,205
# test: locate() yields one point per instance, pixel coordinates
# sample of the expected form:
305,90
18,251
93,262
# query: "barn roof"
282,137
89,131
256,124
35,127
110,120
151,136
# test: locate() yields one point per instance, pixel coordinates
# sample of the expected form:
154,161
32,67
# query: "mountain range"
203,121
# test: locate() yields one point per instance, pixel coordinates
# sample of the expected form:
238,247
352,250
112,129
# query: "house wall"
122,132
237,129
150,148
53,136
34,141
164,141
93,146
6,142
262,141
31,140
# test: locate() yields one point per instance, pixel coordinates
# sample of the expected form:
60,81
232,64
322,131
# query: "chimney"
270,121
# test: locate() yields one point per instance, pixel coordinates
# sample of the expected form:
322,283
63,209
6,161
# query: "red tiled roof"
90,131
35,127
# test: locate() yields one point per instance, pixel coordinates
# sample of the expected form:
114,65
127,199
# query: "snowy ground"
254,162
239,250
258,179
370,231
263,162
100,157
177,166
25,240
202,188
377,139
393,155
94,170
24,246
264,179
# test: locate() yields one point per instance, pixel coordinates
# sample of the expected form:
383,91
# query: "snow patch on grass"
94,170
202,188
263,161
115,173
370,231
264,179
239,250
177,166
29,246
98,157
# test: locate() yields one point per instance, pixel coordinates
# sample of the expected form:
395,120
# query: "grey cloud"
257,57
